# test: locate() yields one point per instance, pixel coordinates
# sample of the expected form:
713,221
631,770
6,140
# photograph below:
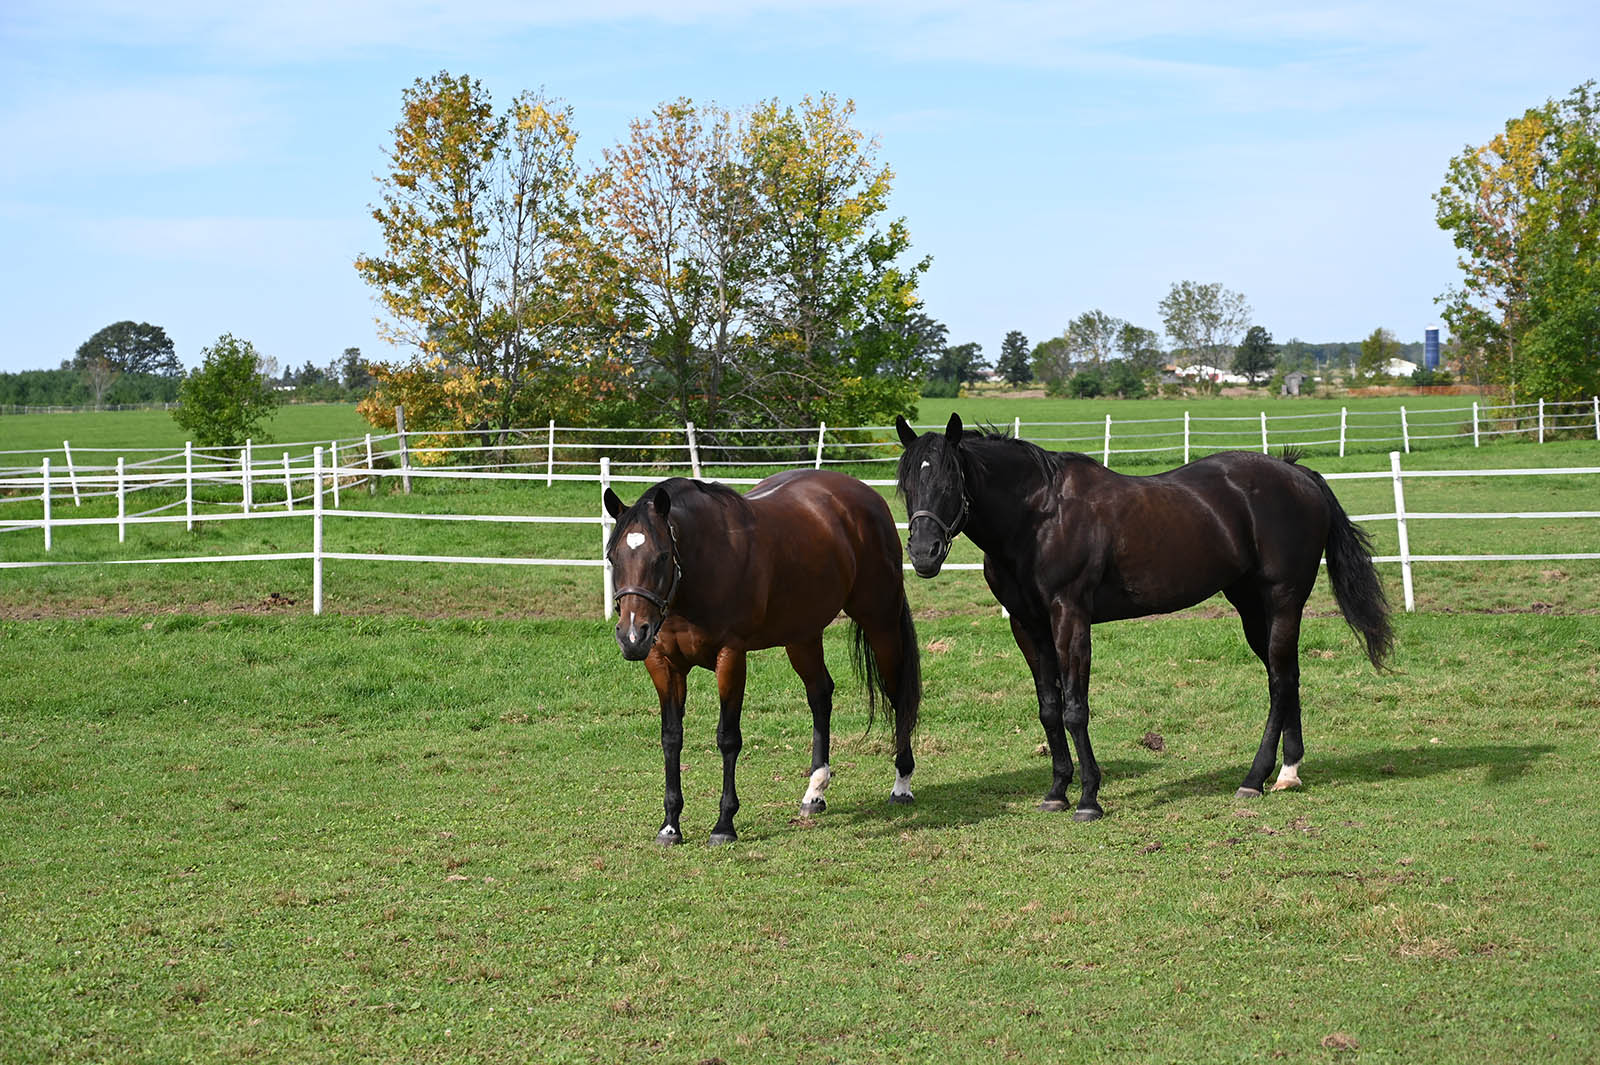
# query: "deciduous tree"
1256,355
1203,320
229,398
132,348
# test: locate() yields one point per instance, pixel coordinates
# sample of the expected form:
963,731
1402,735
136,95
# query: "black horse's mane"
996,454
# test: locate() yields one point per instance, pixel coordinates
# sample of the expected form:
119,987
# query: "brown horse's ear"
614,505
661,501
952,432
902,428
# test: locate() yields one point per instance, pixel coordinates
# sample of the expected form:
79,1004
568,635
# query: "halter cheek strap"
953,529
663,603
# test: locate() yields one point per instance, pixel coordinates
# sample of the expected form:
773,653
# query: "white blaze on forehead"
634,539
925,464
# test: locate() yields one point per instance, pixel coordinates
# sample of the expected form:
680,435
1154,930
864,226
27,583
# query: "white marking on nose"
818,785
635,539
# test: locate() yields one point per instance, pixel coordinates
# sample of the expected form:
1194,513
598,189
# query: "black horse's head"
935,490
643,553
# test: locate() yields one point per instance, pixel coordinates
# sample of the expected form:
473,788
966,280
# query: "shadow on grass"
969,801
1501,763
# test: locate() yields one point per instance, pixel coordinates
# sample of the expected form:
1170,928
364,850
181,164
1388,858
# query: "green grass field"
390,839
419,828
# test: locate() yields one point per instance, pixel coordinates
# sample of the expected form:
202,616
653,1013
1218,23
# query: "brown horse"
1068,543
705,575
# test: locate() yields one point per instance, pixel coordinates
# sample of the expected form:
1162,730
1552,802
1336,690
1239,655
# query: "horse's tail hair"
907,700
1356,587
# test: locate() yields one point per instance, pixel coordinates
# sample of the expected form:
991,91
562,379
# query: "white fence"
325,481
572,453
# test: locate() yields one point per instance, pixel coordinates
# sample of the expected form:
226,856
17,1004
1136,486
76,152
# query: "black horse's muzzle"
929,550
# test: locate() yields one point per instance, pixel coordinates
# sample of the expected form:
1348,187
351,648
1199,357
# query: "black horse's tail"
1356,587
907,701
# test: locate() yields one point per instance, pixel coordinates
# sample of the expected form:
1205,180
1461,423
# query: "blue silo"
1430,348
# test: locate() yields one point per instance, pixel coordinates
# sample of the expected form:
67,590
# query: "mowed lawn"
381,838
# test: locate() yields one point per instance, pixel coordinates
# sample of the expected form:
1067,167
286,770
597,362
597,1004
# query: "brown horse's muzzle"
637,635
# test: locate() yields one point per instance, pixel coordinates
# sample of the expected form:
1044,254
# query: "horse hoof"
813,808
1247,793
1088,813
668,837
717,839
1053,806
897,799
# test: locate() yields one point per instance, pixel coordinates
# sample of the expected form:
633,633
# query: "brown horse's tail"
907,697
1356,587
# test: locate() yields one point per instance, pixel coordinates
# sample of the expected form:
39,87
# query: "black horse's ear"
952,432
614,505
661,501
902,428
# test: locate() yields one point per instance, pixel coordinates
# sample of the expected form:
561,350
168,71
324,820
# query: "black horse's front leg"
1047,685
730,740
672,687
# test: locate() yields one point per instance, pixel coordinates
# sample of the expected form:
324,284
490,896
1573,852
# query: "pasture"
419,828
297,839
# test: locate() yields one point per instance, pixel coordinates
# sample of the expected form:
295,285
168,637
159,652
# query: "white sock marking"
818,785
902,786
1288,777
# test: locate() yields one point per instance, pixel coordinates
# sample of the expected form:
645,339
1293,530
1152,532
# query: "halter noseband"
663,603
953,529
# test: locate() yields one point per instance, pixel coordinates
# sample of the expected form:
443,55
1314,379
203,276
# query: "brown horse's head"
643,553
935,490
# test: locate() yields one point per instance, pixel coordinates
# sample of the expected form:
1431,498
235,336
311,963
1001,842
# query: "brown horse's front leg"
672,687
730,690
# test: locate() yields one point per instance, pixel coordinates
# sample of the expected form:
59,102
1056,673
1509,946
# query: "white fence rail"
574,453
325,479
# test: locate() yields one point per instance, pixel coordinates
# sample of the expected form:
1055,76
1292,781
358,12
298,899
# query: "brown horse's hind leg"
887,643
807,660
730,739
1271,619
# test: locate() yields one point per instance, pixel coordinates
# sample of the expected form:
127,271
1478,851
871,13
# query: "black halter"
663,603
952,529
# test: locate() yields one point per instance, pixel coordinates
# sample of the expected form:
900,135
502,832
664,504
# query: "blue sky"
210,169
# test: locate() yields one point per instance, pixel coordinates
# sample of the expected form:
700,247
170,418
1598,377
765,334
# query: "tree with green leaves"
1376,351
129,347
1523,210
1140,348
1013,364
1092,338
476,215
958,365
1256,355
1203,320
229,398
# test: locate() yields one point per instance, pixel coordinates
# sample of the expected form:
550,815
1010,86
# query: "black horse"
1068,543
705,575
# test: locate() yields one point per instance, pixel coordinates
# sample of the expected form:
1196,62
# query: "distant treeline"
1298,354
72,388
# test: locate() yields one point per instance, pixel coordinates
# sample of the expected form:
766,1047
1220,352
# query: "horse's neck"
1005,504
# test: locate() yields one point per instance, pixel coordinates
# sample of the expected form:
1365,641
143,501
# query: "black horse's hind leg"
672,689
1072,648
730,739
807,660
1271,619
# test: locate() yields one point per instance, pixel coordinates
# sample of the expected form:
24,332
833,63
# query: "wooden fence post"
405,452
694,454
1400,523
